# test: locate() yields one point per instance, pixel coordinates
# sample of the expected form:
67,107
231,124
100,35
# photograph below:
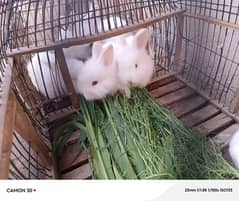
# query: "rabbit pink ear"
107,55
141,38
96,49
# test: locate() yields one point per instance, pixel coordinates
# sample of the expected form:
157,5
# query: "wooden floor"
185,104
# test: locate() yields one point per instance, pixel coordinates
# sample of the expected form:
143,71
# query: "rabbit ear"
141,38
107,55
96,49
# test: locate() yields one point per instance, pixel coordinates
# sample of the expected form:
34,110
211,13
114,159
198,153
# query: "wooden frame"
12,117
7,106
179,40
7,136
66,77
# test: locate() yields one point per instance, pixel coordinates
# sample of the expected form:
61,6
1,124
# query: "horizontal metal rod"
90,39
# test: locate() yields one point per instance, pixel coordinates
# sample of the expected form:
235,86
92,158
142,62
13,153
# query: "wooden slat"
66,77
160,82
224,137
217,122
179,41
7,136
72,158
187,105
212,101
7,118
82,172
199,116
175,96
5,89
166,89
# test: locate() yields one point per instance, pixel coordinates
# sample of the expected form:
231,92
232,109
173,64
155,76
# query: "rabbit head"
98,77
135,65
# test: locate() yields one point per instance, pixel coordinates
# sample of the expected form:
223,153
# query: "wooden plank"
7,136
212,101
5,89
166,89
179,40
185,106
215,123
24,127
158,82
82,172
7,118
224,137
199,116
175,96
72,157
66,77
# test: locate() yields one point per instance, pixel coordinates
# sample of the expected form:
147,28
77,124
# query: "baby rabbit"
234,149
135,65
98,77
47,78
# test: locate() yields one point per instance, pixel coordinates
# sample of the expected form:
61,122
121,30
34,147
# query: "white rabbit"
98,77
135,65
47,78
234,149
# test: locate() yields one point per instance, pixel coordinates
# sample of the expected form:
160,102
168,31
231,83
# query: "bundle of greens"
139,139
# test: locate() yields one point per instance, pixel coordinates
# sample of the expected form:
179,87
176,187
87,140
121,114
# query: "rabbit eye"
136,65
94,83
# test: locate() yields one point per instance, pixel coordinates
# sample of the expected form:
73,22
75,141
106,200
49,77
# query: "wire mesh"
32,25
209,55
210,50
25,162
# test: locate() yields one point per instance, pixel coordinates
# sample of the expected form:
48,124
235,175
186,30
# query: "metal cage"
197,41
33,26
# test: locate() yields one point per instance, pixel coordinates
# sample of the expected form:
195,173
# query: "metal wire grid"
33,23
210,51
25,163
39,107
226,10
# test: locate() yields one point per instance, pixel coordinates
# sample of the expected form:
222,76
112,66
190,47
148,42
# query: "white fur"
100,68
234,149
130,52
41,71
